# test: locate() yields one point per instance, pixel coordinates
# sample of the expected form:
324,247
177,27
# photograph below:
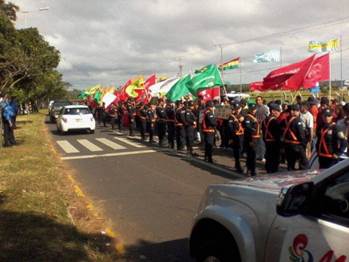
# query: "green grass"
35,196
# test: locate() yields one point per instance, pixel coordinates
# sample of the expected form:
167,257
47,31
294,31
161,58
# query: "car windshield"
77,111
61,104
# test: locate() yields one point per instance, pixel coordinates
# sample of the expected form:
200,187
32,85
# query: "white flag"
161,89
272,56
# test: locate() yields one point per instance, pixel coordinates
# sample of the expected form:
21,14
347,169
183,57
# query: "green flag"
207,77
98,97
179,89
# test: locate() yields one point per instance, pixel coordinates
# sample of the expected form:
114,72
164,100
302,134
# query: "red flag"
319,71
144,94
257,86
122,93
210,93
288,77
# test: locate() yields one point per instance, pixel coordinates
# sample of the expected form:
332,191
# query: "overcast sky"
110,41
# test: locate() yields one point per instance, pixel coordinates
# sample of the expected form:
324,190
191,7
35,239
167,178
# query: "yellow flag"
319,47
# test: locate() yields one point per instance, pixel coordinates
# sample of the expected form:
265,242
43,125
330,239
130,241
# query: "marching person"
236,134
131,116
251,136
271,135
113,115
190,125
180,120
328,141
161,122
171,123
262,112
142,120
343,132
308,120
209,124
150,122
295,140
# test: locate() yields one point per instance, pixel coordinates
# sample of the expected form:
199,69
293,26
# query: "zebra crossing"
101,144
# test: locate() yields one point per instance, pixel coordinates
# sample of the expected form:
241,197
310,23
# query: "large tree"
27,61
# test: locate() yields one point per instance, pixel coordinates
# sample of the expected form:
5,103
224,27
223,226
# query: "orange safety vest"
241,130
268,136
257,135
294,140
205,128
323,144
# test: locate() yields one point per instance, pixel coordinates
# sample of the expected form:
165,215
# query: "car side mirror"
293,201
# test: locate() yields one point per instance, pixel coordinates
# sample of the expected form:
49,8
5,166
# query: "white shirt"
308,119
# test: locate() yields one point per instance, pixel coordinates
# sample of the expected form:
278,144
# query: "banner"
271,56
322,47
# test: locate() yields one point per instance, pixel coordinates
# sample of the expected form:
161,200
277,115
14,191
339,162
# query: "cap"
209,104
328,112
251,106
295,107
324,101
274,106
346,108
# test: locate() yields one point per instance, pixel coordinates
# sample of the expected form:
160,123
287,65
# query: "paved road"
150,195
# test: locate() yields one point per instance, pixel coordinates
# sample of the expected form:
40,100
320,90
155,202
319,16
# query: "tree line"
28,63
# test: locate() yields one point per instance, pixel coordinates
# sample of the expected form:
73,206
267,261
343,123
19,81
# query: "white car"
296,216
75,117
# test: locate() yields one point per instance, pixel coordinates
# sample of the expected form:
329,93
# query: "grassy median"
43,214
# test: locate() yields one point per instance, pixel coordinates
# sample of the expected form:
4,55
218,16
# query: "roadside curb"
118,244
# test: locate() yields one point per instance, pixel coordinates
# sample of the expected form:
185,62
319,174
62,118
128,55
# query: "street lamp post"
26,12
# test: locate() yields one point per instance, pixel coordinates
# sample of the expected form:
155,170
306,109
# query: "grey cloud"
110,41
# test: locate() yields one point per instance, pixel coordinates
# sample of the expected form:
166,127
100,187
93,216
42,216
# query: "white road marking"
67,147
128,142
89,145
109,143
109,155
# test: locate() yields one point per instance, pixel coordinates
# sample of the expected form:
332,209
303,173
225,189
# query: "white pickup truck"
298,217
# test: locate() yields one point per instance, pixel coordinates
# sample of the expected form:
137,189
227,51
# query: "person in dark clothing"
252,132
131,112
120,111
161,122
328,142
142,120
272,135
171,123
104,115
8,114
190,125
113,116
236,133
209,129
324,104
295,140
150,122
180,130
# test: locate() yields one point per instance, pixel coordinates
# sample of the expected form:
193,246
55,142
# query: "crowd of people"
275,132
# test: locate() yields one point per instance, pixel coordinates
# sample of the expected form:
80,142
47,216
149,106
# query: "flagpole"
341,57
240,77
225,90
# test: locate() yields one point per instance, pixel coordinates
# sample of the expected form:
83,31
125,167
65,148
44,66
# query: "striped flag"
231,64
